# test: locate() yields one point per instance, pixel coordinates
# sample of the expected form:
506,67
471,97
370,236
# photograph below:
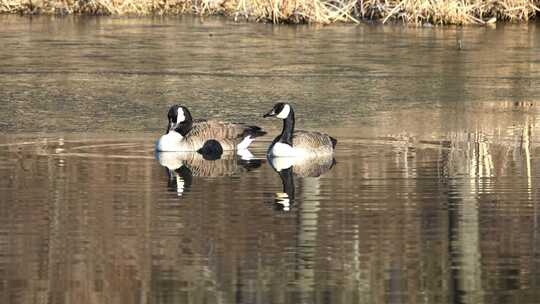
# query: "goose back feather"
229,135
313,141
186,134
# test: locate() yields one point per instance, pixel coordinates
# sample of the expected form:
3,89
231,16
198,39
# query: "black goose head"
285,112
280,110
180,120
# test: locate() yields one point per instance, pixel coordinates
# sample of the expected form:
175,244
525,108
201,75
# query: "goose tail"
253,131
249,135
334,142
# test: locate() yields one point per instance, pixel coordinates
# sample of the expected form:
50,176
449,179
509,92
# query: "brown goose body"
313,142
186,134
229,135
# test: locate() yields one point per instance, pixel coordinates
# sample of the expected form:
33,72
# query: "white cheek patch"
285,112
180,117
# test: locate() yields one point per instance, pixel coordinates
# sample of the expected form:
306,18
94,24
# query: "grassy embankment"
297,11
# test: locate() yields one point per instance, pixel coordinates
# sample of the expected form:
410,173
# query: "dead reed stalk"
297,11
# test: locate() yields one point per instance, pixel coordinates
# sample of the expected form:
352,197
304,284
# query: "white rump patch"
285,112
241,148
170,142
180,117
245,143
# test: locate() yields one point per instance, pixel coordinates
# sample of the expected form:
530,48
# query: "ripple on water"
384,212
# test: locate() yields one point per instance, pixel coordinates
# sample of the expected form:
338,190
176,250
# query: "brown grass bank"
297,11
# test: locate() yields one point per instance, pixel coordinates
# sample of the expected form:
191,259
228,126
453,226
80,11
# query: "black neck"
288,129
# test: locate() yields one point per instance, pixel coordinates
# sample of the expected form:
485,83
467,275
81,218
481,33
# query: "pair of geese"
292,152
184,134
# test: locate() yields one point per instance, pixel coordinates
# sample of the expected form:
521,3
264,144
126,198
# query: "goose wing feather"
312,140
228,134
220,130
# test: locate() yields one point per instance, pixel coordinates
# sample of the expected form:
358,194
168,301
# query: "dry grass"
297,11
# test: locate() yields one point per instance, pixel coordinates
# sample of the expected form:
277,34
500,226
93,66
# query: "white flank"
170,142
285,112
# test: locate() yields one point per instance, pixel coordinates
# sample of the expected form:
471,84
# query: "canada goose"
293,142
185,134
183,166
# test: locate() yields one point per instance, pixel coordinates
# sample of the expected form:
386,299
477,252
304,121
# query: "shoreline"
422,12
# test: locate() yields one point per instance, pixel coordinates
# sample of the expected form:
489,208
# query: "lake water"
433,198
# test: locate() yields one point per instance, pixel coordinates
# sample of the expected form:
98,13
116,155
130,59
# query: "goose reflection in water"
183,166
307,168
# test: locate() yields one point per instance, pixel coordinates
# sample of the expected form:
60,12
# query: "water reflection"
307,168
183,166
394,221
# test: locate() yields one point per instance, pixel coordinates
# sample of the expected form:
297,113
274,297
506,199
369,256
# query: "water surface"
432,198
